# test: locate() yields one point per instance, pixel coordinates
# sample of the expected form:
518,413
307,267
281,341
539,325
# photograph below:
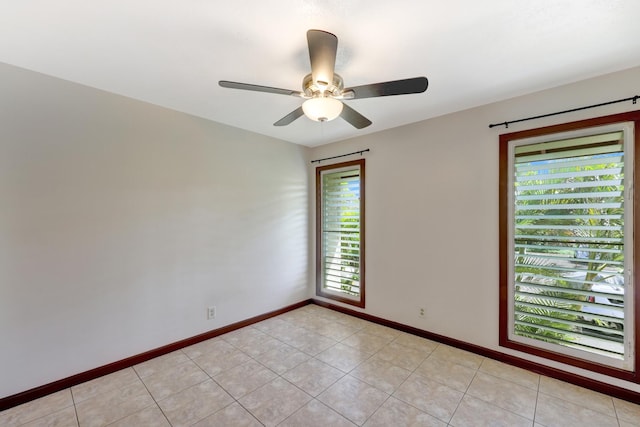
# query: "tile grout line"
266,367
152,397
512,382
615,410
390,395
314,357
313,398
465,393
407,379
344,374
75,408
225,390
535,409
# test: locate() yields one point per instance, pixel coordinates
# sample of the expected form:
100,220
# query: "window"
566,243
340,232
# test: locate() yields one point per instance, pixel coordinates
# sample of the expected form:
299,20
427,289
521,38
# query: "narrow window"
340,232
567,245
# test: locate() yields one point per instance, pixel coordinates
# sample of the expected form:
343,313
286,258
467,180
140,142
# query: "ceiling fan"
324,89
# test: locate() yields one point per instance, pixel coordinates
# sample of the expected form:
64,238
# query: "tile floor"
317,367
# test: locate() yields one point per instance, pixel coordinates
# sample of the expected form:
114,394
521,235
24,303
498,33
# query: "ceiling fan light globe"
322,109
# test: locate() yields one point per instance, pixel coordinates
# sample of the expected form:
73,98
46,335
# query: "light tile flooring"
317,367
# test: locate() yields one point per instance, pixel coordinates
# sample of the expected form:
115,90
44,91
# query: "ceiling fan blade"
356,119
322,53
395,87
289,118
258,88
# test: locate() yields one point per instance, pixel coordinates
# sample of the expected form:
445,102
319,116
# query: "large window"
567,246
340,232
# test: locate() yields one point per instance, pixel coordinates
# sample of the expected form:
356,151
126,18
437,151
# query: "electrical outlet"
421,312
211,312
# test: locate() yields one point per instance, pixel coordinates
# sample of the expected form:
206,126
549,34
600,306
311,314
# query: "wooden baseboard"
611,390
44,390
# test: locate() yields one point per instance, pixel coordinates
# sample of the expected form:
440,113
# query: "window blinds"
341,231
569,284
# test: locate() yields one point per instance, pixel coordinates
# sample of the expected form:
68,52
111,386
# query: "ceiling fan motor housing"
313,89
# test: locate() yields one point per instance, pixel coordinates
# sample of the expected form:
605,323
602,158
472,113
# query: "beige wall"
120,222
432,209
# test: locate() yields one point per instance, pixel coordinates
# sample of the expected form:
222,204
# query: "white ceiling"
173,52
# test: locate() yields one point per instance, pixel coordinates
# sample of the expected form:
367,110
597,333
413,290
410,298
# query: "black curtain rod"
342,155
506,124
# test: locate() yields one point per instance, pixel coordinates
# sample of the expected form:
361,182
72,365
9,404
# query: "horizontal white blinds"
569,243
341,231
